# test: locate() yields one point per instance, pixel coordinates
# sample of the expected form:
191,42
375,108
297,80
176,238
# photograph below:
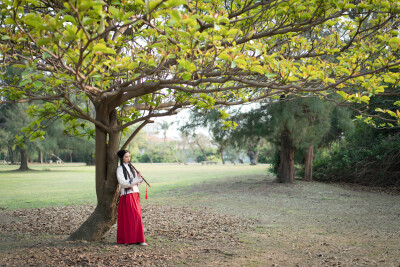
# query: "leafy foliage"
369,157
151,55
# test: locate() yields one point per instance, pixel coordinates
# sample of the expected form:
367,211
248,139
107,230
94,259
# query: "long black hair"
121,155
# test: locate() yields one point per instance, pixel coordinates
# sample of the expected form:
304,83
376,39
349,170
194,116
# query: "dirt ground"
237,221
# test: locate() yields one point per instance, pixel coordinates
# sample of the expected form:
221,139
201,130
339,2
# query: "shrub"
368,162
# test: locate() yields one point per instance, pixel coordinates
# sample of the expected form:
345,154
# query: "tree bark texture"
308,163
11,154
286,165
40,156
105,214
221,152
24,160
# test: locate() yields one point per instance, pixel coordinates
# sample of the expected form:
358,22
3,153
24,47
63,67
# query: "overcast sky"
182,117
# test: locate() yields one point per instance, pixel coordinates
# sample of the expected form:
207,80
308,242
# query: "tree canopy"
162,55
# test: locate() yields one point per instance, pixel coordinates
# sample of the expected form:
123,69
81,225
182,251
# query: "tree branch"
137,130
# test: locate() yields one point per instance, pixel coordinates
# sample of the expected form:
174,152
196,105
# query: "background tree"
5,145
213,121
184,146
366,155
164,127
300,124
14,119
291,125
250,132
137,60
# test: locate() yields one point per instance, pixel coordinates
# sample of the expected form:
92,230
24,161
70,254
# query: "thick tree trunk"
105,214
221,152
24,160
260,144
11,154
40,156
286,165
308,163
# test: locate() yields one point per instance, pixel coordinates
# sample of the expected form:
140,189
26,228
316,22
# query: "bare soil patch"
237,221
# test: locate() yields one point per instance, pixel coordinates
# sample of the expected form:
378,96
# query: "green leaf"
33,20
45,55
175,15
25,82
87,21
389,80
342,94
20,66
153,4
9,21
139,2
223,115
394,40
224,20
115,12
186,76
101,27
38,84
260,70
69,18
43,41
174,3
391,113
25,129
232,32
365,99
100,47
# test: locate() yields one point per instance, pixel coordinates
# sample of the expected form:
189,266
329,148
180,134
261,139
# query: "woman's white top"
132,178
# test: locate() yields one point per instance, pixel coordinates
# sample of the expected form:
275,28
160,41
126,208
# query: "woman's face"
126,158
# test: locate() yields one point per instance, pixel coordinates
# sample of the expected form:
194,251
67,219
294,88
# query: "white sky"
182,117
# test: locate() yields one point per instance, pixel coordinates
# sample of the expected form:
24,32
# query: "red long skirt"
129,224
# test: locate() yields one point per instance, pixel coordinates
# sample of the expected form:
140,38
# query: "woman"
129,225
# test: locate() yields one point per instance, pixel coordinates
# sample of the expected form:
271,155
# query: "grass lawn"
68,184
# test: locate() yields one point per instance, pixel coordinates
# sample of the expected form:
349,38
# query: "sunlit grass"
69,184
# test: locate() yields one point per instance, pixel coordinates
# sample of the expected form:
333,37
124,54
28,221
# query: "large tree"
298,124
13,118
120,63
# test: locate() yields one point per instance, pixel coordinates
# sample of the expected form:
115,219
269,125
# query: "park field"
74,184
199,216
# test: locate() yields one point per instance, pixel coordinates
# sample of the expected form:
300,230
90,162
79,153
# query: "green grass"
69,184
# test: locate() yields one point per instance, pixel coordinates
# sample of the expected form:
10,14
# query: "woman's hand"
138,182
